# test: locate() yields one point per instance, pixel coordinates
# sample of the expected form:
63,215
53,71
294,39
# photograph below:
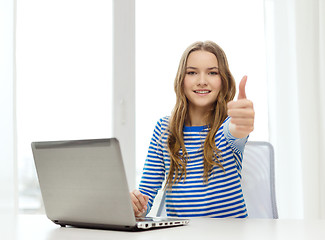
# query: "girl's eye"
213,73
191,73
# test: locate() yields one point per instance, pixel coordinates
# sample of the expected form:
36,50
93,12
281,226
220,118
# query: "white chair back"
258,180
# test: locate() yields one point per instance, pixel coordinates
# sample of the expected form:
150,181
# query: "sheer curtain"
8,183
296,86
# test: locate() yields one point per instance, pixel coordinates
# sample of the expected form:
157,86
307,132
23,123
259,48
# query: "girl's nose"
202,80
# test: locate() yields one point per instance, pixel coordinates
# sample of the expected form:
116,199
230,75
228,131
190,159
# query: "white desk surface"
38,227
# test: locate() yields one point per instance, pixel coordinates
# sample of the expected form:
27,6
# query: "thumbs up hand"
241,113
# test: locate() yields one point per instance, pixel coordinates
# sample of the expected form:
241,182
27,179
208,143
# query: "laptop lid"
83,182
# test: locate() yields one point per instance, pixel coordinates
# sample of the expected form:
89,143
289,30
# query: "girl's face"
202,81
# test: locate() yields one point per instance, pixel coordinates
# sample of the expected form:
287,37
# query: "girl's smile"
202,92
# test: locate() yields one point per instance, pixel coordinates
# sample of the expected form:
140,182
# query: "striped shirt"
221,197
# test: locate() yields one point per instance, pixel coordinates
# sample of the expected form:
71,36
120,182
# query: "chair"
258,182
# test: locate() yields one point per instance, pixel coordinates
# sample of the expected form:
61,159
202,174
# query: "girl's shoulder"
165,119
162,123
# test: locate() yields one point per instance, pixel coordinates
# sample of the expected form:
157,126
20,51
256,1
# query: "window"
64,51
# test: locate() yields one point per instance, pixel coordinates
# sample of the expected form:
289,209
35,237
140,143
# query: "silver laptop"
83,183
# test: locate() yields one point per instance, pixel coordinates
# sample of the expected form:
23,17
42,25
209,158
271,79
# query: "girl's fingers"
135,204
139,202
242,121
244,129
242,103
143,199
241,113
241,109
135,209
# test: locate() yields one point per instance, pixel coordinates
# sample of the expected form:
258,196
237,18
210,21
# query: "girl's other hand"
139,203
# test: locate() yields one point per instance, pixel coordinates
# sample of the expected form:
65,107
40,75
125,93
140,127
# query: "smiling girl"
199,148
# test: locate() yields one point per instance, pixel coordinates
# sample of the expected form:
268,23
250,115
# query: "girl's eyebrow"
210,68
213,68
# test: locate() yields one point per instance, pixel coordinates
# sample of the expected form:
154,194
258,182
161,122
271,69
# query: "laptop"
83,184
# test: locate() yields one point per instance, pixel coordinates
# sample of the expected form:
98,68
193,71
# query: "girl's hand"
139,203
242,113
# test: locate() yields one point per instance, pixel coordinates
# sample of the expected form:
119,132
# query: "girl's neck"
196,117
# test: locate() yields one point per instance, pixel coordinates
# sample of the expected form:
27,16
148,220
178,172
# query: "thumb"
242,85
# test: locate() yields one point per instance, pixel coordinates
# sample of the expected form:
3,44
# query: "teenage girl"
199,148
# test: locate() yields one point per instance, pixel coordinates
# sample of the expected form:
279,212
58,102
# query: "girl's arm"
153,173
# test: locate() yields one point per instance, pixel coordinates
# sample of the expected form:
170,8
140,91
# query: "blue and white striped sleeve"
236,144
154,168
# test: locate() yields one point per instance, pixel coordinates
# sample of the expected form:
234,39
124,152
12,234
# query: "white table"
38,227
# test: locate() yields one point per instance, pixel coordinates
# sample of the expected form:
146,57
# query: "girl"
199,148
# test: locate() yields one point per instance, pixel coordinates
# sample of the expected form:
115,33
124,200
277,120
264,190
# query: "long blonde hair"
175,142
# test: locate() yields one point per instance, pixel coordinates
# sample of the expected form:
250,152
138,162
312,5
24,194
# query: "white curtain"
8,176
296,86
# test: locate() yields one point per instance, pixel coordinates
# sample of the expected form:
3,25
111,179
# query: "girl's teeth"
201,91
